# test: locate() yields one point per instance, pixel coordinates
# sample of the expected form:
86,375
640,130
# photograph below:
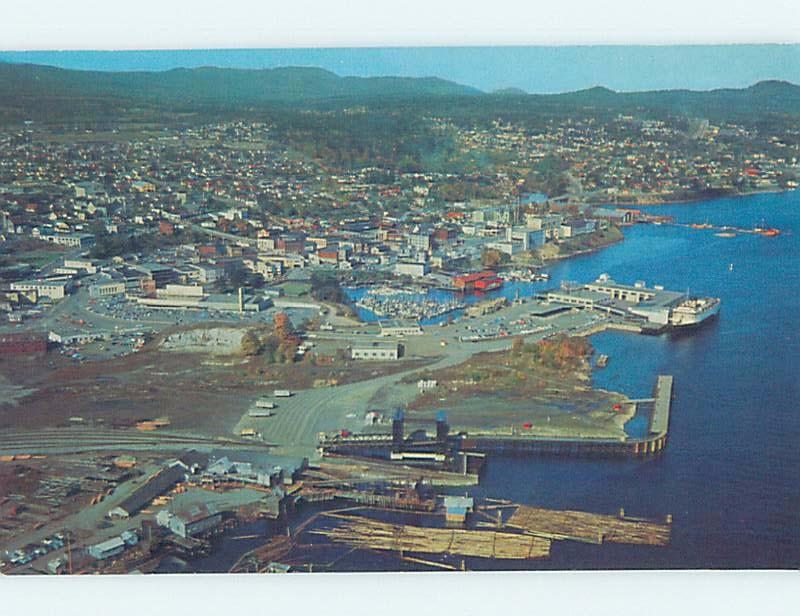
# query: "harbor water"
729,473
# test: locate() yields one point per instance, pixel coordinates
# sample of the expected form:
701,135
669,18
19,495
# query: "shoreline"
690,200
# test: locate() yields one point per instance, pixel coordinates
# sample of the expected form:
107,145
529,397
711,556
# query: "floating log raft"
590,527
365,533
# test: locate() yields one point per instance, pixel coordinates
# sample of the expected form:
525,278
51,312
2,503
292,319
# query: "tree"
251,344
491,258
282,326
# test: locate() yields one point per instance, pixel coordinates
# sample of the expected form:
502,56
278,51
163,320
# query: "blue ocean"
729,474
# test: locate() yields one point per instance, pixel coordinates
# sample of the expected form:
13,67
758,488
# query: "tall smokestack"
397,431
241,300
442,429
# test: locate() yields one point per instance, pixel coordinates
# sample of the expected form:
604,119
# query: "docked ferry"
694,311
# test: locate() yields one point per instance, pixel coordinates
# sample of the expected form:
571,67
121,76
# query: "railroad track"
71,440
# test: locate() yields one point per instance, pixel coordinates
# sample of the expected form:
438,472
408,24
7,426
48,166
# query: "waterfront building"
155,485
412,268
107,549
191,522
398,328
574,228
655,305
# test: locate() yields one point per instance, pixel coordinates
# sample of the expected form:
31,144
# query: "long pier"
652,443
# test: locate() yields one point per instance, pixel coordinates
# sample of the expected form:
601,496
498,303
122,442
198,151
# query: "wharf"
654,442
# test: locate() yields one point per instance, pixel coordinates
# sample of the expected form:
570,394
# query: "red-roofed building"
479,281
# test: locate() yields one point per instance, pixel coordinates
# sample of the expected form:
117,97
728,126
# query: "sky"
207,24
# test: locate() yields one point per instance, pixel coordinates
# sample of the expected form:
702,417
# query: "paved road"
298,420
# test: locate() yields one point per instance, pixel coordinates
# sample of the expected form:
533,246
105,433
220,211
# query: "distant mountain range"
218,85
31,87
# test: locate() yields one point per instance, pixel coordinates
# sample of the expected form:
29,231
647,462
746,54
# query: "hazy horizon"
534,69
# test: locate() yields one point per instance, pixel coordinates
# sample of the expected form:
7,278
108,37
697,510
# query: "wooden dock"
591,527
366,533
659,421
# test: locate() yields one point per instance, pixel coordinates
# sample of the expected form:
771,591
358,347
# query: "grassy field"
542,389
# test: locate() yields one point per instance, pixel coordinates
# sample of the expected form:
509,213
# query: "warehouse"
194,521
400,328
72,240
376,351
107,549
54,289
155,486
107,288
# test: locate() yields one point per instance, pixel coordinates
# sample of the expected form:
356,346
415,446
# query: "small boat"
730,267
602,361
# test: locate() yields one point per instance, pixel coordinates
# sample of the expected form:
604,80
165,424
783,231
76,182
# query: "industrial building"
71,240
154,486
194,521
107,289
480,281
376,351
184,297
414,269
655,305
107,549
53,288
397,327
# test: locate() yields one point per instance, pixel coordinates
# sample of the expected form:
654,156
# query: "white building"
411,268
400,328
529,238
72,240
107,289
550,224
376,351
54,289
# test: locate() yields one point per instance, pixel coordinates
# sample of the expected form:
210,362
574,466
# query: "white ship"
694,311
